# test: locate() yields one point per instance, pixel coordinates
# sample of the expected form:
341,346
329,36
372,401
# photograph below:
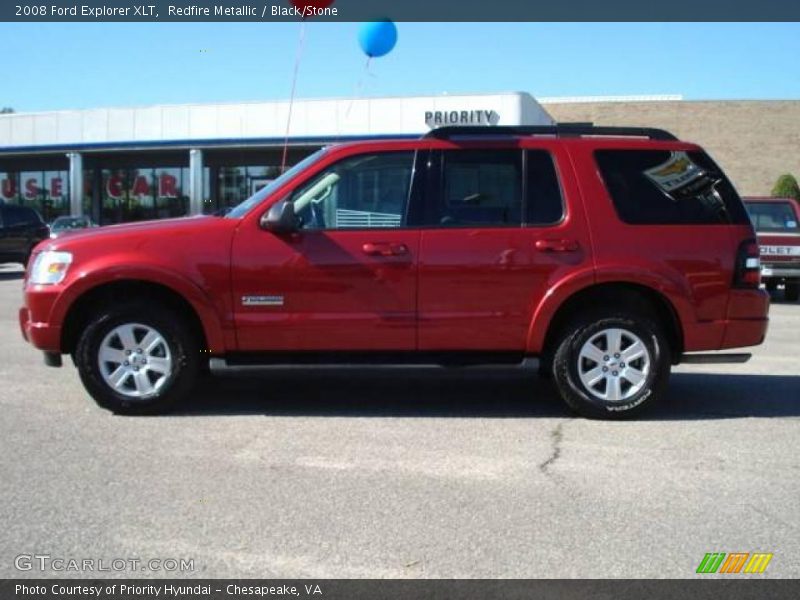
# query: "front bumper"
35,318
43,336
769,271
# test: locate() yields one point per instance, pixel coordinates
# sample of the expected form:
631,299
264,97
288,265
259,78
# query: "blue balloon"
377,38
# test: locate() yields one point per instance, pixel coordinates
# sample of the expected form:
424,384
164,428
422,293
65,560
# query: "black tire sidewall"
182,346
575,394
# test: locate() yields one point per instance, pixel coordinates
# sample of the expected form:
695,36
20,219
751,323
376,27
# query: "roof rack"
559,129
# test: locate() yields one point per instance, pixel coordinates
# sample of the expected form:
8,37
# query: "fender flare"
676,294
91,279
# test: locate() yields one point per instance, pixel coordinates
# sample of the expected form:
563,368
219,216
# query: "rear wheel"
137,359
611,365
792,292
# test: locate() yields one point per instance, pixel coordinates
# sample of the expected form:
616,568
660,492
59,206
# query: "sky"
55,66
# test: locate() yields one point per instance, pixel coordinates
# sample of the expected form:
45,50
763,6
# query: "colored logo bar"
734,562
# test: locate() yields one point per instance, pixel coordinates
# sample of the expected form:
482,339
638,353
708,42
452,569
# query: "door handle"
557,245
384,249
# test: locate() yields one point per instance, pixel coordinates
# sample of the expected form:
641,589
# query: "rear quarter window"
663,187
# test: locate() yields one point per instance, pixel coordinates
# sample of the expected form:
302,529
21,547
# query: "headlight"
50,267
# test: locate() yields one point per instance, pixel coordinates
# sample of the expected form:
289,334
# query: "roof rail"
559,129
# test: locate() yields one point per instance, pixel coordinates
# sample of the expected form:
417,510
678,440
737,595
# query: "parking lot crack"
557,439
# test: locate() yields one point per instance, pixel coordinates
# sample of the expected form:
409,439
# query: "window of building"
237,183
137,194
9,187
661,187
361,192
46,192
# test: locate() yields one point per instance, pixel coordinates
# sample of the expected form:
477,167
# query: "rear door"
496,236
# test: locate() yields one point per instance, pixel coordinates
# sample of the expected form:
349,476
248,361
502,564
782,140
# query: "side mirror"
280,218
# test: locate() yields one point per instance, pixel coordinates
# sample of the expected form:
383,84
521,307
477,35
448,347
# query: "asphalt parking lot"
409,475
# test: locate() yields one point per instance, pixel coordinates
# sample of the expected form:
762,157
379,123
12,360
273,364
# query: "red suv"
604,255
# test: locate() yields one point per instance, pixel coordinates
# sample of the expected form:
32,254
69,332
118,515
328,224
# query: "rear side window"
773,217
18,215
481,188
493,188
662,187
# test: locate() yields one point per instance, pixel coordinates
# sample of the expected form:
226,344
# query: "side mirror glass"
280,218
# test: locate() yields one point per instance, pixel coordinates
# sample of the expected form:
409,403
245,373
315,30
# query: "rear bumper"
747,319
744,332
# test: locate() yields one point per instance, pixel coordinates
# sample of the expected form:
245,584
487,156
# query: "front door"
347,279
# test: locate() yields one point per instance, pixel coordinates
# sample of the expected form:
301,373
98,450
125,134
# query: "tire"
613,396
792,292
151,379
27,257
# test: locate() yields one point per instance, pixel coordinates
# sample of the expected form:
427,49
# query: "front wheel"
137,359
611,365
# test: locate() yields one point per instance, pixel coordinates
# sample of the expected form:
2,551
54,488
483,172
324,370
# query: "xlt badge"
262,300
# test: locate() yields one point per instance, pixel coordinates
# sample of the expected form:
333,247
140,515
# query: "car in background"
21,228
777,225
66,224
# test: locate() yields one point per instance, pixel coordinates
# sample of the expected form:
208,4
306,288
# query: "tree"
6,110
786,187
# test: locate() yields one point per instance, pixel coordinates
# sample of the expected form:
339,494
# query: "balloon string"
298,56
359,86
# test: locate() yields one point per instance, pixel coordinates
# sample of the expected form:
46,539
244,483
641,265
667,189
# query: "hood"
139,229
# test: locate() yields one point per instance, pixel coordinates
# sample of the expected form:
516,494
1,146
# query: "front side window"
367,191
663,187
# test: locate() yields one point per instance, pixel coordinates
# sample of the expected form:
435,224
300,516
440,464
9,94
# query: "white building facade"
127,164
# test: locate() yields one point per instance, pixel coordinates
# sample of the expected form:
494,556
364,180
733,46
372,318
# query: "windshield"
243,208
69,223
775,217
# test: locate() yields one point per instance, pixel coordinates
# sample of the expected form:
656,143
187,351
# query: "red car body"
415,289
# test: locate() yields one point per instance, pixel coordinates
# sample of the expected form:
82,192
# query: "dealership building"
126,164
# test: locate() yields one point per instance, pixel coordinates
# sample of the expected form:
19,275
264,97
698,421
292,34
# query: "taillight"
748,265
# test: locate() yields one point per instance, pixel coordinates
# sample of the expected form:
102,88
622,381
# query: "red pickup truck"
777,223
602,255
